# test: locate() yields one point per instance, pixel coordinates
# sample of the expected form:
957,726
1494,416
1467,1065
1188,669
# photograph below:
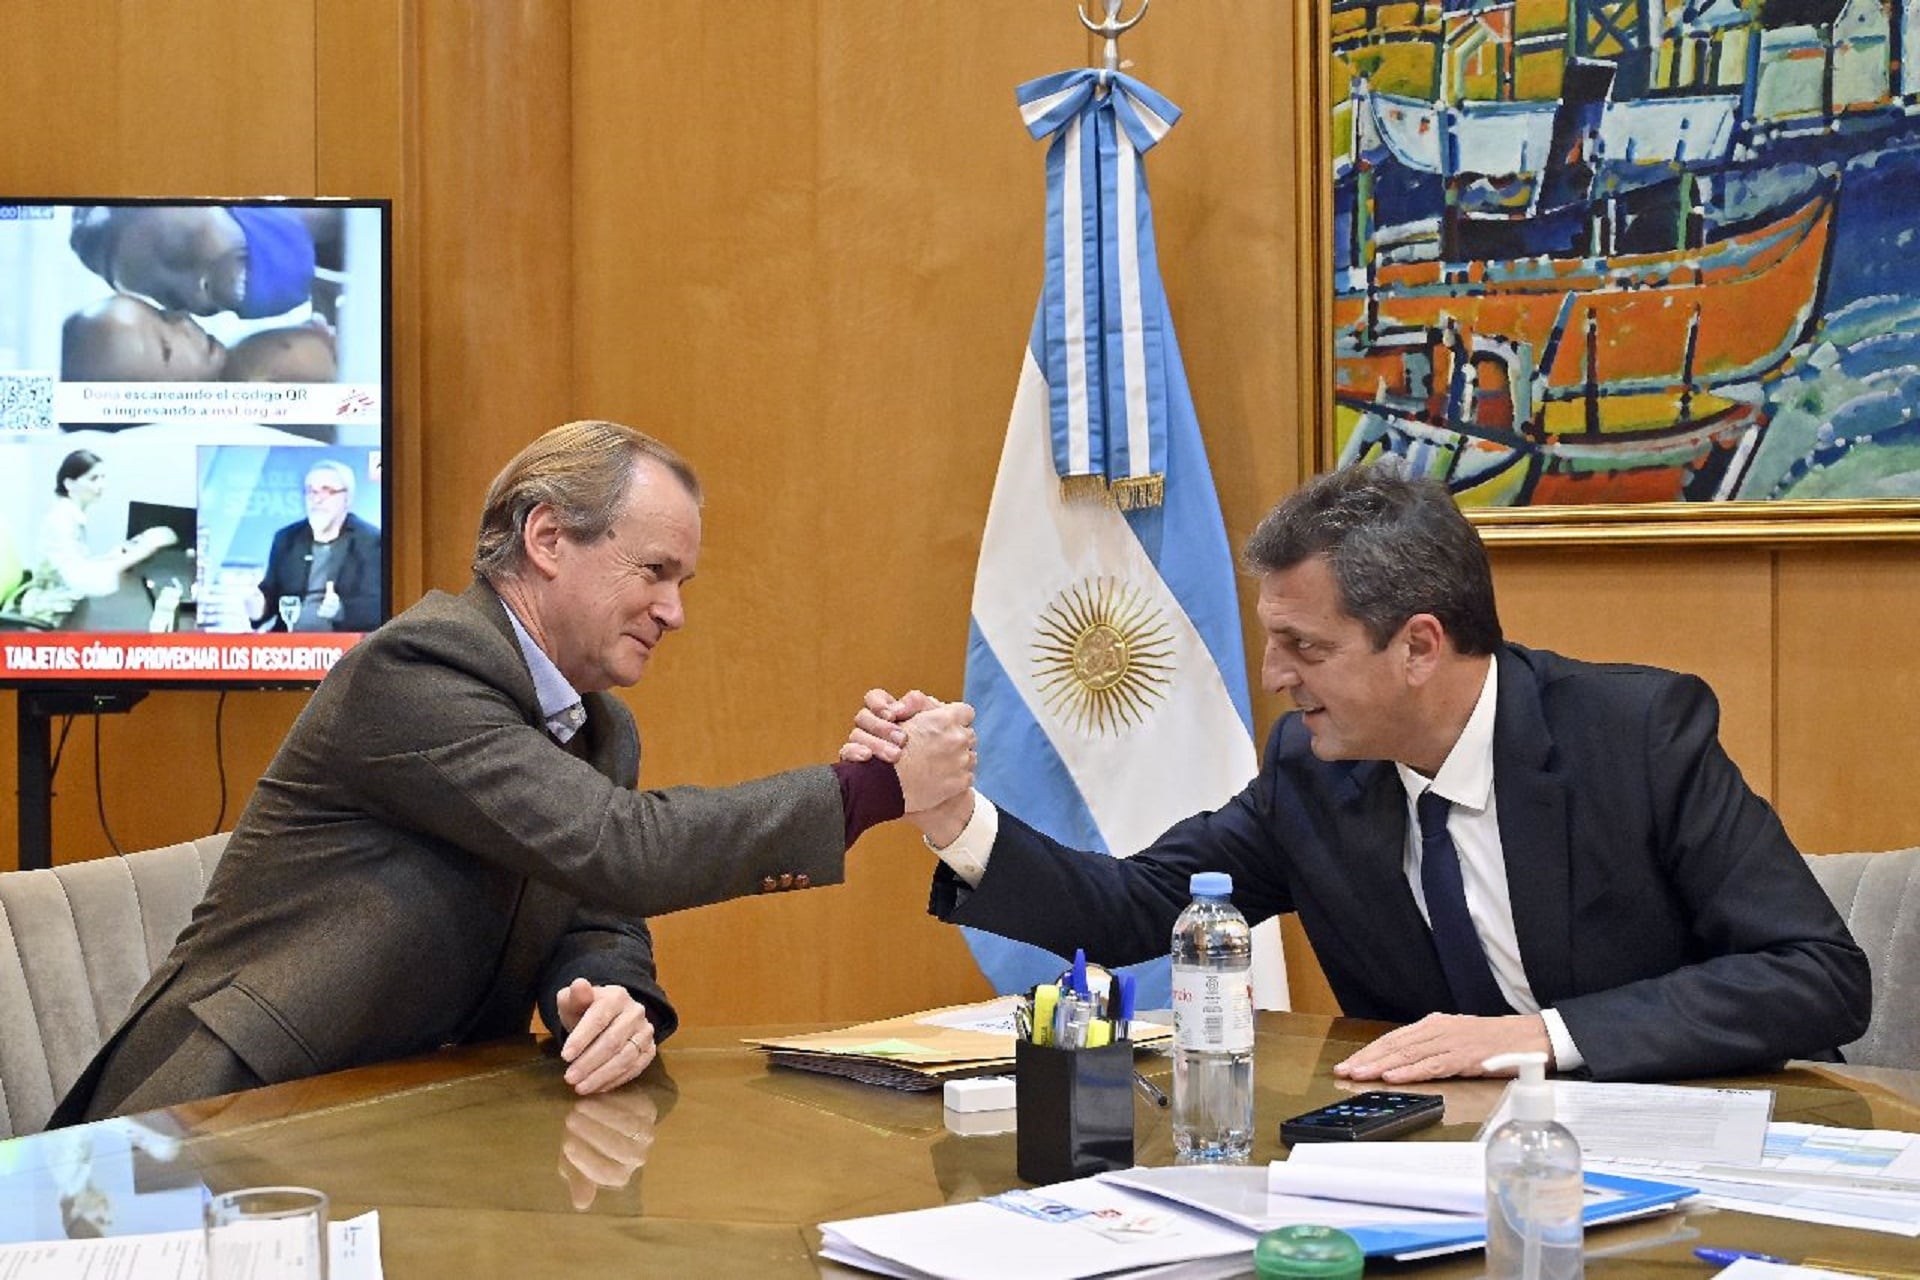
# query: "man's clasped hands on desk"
1501,847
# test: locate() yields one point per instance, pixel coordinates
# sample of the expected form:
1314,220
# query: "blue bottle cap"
1211,884
1304,1251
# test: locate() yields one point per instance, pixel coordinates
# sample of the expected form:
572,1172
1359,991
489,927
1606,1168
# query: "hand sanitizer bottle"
1534,1188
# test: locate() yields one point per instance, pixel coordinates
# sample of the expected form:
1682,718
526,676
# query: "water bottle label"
1212,1011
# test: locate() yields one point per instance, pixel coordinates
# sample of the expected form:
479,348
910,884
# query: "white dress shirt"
1466,779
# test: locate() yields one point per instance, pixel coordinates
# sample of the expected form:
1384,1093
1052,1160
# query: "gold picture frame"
1725,519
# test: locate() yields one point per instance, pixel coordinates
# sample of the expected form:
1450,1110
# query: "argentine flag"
1104,658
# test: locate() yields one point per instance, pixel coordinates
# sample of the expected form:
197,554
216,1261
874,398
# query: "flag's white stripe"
1193,744
1156,124
1074,320
1038,109
1140,459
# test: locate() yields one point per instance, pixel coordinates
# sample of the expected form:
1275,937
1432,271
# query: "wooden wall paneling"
366,120
932,210
1849,697
1703,610
490,233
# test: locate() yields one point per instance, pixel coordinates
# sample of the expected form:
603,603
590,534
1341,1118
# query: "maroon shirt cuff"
869,795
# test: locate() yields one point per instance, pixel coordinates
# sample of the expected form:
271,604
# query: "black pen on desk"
1149,1090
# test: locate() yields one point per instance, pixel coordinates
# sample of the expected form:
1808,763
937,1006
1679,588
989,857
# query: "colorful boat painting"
1586,254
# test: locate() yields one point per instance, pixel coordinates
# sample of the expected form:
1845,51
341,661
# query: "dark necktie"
1462,958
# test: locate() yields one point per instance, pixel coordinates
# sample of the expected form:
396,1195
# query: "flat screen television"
195,415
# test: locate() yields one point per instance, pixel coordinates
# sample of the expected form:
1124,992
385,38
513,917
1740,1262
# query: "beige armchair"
1878,895
76,945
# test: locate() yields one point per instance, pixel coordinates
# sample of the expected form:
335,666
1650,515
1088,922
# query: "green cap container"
1302,1251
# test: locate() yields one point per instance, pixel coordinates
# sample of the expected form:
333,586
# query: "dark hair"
72,467
582,470
1397,547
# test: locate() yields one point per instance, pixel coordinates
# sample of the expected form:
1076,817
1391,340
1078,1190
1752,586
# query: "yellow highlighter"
1099,1032
1046,998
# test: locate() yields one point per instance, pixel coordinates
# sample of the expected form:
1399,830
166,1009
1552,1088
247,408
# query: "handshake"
931,745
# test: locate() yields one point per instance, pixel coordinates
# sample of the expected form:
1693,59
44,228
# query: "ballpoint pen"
1149,1090
1727,1257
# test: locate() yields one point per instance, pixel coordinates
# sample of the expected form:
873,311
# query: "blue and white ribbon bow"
1104,310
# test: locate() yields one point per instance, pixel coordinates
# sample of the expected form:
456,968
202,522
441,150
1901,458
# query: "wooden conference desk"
462,1155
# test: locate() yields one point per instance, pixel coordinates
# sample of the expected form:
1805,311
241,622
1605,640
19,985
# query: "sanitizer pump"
1534,1188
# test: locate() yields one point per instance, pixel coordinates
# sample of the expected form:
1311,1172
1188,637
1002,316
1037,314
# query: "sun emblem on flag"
1103,656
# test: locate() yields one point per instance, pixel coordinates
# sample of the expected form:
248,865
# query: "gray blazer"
422,860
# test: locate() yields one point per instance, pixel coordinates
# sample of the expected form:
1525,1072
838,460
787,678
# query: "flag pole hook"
1110,29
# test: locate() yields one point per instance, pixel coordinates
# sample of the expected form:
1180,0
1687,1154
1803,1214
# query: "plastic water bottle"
1212,1026
1534,1188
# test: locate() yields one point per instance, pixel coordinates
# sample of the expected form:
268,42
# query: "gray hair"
581,470
1397,547
338,468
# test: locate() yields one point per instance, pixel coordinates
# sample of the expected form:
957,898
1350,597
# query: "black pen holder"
1075,1110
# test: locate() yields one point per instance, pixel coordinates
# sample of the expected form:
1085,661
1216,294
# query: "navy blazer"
1660,906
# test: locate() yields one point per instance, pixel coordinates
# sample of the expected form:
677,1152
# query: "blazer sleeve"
607,950
360,593
278,580
1122,909
1777,974
434,746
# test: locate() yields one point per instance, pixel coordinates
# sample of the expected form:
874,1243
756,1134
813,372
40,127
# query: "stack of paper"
1414,1200
921,1050
1720,1141
353,1253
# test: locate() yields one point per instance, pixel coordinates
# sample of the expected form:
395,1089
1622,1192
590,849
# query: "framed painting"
1618,269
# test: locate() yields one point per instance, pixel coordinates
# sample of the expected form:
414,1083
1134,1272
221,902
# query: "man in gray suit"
451,833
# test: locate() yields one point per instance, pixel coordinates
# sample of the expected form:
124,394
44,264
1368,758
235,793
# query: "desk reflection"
607,1137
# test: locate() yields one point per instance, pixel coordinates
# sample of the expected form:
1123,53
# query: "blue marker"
1123,1013
1079,979
1727,1257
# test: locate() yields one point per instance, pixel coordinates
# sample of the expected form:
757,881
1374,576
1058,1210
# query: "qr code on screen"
26,402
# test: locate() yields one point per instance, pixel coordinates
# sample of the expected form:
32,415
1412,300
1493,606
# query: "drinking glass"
289,611
267,1233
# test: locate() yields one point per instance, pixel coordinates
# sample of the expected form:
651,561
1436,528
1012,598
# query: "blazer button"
801,881
768,884
786,880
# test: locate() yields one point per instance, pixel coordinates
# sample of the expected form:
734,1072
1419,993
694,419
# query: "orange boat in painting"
1547,380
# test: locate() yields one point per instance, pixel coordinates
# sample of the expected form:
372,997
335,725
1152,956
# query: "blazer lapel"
1371,822
1534,839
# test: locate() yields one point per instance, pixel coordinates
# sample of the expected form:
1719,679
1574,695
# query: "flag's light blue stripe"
1025,776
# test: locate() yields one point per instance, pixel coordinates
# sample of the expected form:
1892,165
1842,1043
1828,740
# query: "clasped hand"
930,743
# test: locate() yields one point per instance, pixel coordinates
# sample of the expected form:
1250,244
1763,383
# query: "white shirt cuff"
1566,1054
967,854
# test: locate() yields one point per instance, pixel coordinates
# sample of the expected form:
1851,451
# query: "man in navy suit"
1623,900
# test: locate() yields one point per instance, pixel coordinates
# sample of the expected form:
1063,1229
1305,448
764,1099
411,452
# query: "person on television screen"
67,570
451,832
252,260
323,572
1500,847
123,338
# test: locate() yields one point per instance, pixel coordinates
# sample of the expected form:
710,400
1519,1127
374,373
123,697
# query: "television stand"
37,709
